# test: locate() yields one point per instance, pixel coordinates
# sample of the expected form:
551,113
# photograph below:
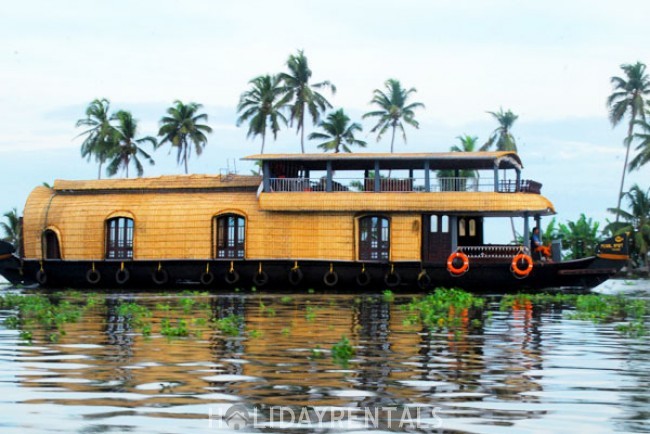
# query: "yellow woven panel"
404,202
179,225
310,225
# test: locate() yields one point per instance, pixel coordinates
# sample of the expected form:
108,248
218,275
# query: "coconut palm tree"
629,97
338,133
394,110
182,128
636,220
11,228
97,143
501,136
643,156
304,96
127,145
262,106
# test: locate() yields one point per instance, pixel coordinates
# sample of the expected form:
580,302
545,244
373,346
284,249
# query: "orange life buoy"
452,264
514,266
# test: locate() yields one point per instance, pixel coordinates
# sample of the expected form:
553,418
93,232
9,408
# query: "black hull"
278,275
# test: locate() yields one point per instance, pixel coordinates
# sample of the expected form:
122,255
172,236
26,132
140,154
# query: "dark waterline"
523,370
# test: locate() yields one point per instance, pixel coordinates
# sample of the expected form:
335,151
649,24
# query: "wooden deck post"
328,183
427,177
377,180
266,177
453,228
526,231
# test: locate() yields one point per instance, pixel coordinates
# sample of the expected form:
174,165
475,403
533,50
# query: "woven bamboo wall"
411,201
178,225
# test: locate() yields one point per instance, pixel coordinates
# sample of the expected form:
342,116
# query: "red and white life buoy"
457,264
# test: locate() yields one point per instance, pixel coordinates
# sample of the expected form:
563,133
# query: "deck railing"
448,184
507,251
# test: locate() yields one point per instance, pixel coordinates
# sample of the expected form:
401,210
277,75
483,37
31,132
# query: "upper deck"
404,172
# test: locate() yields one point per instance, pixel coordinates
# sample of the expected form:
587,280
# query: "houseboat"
345,221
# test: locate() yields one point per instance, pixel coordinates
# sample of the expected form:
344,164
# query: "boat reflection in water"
518,369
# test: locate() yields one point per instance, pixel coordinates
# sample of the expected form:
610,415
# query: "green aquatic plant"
163,306
342,352
133,312
40,310
310,315
388,296
187,304
316,353
597,308
443,309
266,310
255,334
544,300
178,330
230,324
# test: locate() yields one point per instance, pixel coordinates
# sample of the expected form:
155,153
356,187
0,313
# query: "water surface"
522,370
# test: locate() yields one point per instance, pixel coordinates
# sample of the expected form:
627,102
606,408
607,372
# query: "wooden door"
436,238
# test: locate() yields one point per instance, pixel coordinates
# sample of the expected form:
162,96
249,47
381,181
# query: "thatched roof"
174,182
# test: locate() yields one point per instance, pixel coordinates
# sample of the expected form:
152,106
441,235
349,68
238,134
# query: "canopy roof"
366,161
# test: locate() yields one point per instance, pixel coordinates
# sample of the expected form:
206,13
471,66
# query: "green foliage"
11,228
126,145
261,107
501,136
636,220
302,96
178,330
580,237
597,308
388,296
99,143
182,128
316,353
342,352
286,299
310,315
187,304
230,324
543,300
266,310
40,310
255,334
394,110
338,133
442,309
629,98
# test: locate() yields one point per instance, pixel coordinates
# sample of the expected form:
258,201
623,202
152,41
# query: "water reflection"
520,370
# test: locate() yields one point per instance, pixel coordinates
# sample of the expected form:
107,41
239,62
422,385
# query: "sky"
549,62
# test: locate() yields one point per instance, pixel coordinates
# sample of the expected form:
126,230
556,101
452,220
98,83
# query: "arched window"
461,228
119,238
51,247
374,238
231,236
